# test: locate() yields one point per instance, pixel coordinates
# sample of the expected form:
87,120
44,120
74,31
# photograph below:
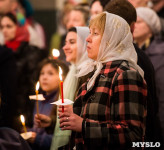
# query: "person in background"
139,3
122,9
10,139
157,5
27,57
114,97
96,7
75,51
17,7
49,83
148,29
62,18
78,16
36,28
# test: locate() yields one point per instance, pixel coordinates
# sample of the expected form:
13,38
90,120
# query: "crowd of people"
111,55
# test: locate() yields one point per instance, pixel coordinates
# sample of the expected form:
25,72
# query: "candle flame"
55,52
22,119
60,73
37,86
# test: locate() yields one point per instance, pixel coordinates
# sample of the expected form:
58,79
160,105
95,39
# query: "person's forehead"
71,36
76,12
5,1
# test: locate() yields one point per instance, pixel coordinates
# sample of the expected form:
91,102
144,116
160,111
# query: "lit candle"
61,87
23,123
55,53
36,91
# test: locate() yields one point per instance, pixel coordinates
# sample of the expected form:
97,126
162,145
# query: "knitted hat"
150,17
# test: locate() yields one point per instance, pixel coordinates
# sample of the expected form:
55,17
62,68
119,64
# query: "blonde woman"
114,97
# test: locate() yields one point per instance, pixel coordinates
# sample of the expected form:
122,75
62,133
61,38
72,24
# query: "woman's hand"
67,108
69,120
32,138
42,121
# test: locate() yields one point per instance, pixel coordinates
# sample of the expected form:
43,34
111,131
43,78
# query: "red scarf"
22,35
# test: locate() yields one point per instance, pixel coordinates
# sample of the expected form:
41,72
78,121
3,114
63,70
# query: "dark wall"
47,18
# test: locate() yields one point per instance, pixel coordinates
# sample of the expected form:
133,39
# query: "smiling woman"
75,50
70,47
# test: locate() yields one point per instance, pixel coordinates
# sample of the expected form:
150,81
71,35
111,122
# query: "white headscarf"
116,44
61,138
151,18
70,83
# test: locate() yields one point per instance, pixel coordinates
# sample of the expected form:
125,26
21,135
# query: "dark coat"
156,54
11,140
8,107
152,120
27,59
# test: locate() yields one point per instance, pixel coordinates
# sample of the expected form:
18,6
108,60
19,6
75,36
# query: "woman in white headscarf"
114,97
75,51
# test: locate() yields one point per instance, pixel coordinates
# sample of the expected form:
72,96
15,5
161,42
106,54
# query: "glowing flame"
37,86
60,73
22,119
55,53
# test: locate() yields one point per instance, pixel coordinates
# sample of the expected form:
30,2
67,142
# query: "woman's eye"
9,26
72,42
50,73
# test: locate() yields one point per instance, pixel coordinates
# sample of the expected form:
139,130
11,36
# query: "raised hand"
42,121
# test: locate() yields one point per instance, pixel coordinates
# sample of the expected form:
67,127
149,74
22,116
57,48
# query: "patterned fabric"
114,110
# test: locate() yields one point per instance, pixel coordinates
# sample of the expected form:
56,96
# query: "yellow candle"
23,122
37,104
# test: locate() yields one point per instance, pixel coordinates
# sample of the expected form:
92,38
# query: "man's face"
5,6
139,3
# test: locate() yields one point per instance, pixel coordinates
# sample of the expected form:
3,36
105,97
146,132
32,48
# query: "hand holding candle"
37,104
55,53
61,87
23,123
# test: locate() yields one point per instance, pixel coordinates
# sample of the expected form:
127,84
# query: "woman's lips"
88,48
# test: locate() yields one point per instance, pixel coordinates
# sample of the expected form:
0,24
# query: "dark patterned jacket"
114,110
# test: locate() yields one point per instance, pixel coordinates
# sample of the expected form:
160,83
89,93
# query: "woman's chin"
90,56
68,59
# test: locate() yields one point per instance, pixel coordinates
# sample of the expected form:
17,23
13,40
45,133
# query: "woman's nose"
44,76
88,39
65,47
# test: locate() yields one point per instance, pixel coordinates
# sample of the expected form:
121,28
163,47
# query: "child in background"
49,83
